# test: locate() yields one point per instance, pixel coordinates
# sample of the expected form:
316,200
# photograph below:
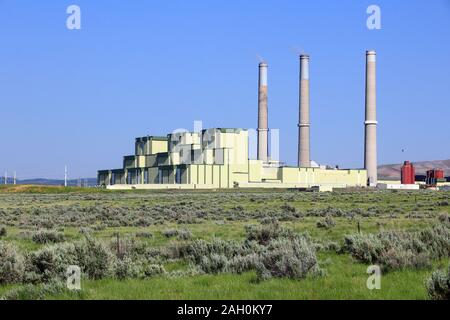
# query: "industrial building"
434,179
218,158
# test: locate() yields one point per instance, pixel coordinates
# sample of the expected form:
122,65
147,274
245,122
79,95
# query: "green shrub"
395,250
184,234
198,249
3,231
266,232
326,223
435,240
240,264
331,246
291,258
444,218
144,234
125,268
438,285
220,256
151,270
398,258
12,265
213,263
94,258
269,220
128,268
288,208
170,233
444,203
365,248
35,292
175,250
85,230
48,236
50,262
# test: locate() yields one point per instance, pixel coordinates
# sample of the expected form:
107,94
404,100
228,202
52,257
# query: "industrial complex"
219,158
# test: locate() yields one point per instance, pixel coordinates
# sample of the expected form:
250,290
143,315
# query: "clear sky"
148,67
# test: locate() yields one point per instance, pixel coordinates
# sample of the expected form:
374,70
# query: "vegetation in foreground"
233,245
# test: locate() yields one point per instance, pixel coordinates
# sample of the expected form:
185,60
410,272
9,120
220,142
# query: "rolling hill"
53,182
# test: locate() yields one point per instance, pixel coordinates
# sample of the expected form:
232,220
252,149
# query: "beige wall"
316,176
270,173
140,161
157,146
255,170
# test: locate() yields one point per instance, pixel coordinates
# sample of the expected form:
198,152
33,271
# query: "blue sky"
148,67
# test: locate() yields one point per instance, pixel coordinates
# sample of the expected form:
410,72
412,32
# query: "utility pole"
6,177
15,178
65,176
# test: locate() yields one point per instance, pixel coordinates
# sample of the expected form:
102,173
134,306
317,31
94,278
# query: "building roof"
155,138
227,130
223,130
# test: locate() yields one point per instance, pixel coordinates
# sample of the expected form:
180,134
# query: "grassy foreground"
345,281
225,215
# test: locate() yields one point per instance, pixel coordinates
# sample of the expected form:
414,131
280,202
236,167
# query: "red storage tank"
408,173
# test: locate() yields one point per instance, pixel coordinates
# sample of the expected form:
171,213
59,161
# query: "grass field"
150,217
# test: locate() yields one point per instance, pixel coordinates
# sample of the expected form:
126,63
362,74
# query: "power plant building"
218,158
214,159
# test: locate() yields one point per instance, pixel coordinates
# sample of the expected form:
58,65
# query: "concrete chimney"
262,113
370,146
304,159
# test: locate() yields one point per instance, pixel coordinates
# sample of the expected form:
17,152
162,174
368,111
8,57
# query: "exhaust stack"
370,146
262,113
304,159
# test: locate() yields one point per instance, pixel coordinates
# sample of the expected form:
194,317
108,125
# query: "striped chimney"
304,159
262,113
370,146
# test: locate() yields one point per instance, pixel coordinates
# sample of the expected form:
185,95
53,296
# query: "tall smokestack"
370,147
304,159
262,113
